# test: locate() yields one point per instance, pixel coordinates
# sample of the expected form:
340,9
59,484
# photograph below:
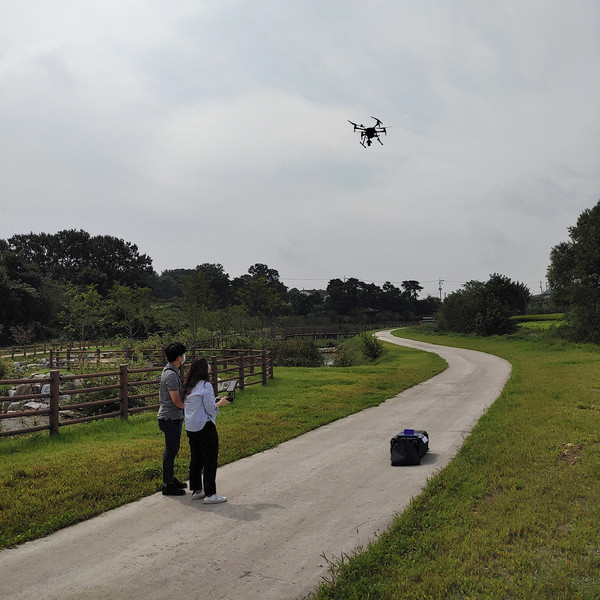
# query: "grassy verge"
515,514
47,484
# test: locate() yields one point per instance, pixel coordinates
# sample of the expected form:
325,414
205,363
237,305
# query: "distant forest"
72,285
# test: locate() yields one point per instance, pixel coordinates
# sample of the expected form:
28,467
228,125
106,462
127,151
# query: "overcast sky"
217,131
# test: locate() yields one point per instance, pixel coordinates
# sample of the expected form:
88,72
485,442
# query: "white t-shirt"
200,406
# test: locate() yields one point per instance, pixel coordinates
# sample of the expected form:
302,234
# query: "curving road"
290,509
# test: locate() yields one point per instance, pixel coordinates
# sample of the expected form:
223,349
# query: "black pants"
204,451
172,430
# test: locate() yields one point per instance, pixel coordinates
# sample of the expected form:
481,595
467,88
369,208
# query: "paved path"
322,494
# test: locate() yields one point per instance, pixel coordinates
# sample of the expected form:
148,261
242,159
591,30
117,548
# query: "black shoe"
180,484
172,490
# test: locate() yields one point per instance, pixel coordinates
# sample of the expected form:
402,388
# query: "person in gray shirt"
170,416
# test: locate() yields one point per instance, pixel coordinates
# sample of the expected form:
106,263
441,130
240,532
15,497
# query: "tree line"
74,285
77,286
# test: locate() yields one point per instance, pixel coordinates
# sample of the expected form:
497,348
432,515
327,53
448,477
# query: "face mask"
183,359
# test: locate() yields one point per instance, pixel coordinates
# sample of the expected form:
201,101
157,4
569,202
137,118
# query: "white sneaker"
198,495
214,499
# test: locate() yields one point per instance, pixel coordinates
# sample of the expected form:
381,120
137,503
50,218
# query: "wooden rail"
248,367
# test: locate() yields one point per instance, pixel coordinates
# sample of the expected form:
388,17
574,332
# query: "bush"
343,359
359,350
241,342
483,308
296,353
372,348
6,368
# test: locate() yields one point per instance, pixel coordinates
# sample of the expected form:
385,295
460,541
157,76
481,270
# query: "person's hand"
222,401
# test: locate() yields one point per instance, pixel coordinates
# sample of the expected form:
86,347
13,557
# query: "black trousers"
204,452
172,430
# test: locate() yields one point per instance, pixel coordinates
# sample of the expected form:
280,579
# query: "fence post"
69,358
54,403
264,367
213,374
271,375
124,389
241,371
97,356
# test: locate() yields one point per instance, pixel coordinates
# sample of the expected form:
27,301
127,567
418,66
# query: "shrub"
296,353
6,368
483,308
343,359
372,348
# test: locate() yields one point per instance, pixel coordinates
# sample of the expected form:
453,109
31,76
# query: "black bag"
408,447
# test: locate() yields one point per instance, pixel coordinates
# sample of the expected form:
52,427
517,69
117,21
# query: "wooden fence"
155,356
44,348
247,368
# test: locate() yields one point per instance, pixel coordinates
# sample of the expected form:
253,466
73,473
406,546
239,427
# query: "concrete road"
291,509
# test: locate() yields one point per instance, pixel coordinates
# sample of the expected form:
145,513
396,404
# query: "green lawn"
49,483
515,514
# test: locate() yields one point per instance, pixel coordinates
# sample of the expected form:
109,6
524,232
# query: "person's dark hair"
172,351
198,372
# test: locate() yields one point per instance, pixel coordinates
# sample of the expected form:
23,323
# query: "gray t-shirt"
170,381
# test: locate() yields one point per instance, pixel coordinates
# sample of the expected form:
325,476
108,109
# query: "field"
515,514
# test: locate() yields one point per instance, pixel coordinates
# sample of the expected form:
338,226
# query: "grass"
49,483
515,514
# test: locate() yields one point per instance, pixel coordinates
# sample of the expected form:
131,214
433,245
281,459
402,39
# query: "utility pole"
440,281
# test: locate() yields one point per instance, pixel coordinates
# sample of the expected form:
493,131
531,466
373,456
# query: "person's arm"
176,398
222,401
211,404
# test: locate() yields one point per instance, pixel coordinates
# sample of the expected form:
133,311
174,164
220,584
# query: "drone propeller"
360,127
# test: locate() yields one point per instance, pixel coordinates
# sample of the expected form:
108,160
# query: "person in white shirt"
201,409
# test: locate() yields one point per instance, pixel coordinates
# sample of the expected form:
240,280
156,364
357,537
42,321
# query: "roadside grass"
540,317
49,483
515,514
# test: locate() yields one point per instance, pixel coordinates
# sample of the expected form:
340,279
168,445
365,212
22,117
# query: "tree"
197,297
23,302
412,289
260,291
129,309
259,298
574,276
75,257
483,308
83,312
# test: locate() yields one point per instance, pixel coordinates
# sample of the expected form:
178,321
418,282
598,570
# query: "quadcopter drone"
368,133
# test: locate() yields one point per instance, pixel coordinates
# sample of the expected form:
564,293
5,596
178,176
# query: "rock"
26,388
35,406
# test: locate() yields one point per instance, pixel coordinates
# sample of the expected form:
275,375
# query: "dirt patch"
570,453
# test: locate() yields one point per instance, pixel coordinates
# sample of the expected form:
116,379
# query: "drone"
368,133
